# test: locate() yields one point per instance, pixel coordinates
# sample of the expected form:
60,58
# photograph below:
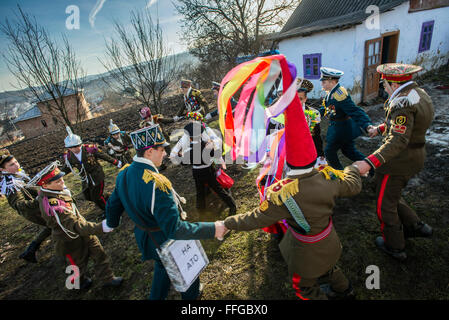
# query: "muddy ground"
249,265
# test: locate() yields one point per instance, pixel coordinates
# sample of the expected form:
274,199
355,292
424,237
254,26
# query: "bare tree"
139,61
217,31
50,72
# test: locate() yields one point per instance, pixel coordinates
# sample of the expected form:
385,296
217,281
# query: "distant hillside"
94,90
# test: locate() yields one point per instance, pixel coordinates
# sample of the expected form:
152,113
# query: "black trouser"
96,194
205,178
316,136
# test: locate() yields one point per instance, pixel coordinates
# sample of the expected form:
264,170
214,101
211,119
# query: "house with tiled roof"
355,36
41,118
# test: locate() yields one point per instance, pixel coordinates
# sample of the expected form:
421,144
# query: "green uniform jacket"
134,190
316,198
194,102
76,227
93,169
27,207
408,116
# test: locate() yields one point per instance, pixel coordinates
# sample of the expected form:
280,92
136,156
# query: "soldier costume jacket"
119,148
120,145
21,198
409,114
90,170
340,107
314,253
156,119
67,224
194,102
148,198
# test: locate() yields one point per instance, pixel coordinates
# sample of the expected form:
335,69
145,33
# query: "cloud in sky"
150,3
95,11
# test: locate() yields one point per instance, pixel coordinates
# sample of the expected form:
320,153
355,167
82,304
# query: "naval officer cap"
329,73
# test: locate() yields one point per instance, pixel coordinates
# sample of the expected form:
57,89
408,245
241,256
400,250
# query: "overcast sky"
96,17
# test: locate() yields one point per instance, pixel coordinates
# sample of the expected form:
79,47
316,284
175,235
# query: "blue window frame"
312,65
426,36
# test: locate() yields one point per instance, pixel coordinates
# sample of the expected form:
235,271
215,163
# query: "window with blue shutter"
312,65
426,36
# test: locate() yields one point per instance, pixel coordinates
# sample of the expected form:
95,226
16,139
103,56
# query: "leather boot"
30,253
421,229
348,294
395,253
115,282
86,283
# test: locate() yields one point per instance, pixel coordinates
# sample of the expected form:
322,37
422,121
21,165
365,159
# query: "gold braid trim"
161,181
124,167
282,190
332,174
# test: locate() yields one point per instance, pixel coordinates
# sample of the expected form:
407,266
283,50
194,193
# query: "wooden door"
373,57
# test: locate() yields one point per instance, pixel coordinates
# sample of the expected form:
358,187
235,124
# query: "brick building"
40,120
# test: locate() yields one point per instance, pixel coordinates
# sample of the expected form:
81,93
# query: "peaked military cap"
148,137
50,174
398,72
5,156
304,85
329,73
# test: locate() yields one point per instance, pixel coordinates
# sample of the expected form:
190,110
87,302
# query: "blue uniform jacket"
133,194
340,106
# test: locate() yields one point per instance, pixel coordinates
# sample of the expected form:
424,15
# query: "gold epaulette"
332,174
282,190
160,180
340,94
124,167
196,93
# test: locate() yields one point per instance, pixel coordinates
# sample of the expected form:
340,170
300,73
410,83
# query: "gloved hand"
106,229
208,116
176,118
119,165
111,152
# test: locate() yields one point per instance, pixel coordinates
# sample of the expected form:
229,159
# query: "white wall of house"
345,49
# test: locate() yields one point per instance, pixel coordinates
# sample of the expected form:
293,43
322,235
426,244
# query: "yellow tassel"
282,190
161,181
331,173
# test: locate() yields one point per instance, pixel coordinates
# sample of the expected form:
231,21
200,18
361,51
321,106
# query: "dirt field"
249,265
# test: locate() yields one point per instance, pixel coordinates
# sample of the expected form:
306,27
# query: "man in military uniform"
85,158
193,100
305,199
347,121
153,205
75,238
118,144
22,199
202,148
409,113
313,118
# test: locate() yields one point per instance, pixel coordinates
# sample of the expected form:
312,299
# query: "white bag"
183,260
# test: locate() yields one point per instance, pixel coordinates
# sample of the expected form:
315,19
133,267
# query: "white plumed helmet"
72,140
113,128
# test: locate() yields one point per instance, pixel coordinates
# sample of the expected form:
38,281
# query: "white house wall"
345,49
337,51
